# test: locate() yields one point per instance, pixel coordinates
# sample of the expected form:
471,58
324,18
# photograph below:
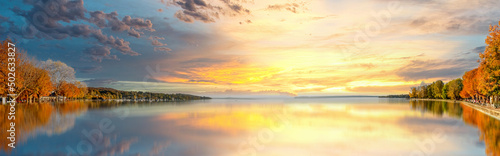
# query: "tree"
470,84
490,64
82,88
444,92
422,91
43,86
437,89
413,92
430,93
454,88
20,62
68,90
60,73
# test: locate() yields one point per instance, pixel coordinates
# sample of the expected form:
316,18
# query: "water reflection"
262,127
489,127
32,120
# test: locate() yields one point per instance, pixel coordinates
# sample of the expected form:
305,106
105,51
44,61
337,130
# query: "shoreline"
494,113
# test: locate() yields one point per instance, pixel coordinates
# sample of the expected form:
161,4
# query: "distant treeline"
396,96
110,93
438,90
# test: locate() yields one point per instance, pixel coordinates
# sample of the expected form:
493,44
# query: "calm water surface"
229,127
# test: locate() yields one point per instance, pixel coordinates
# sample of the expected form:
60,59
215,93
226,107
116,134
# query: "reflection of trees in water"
489,129
34,119
438,107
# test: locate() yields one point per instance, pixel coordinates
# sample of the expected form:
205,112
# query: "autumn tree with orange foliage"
490,65
19,62
36,79
68,90
470,83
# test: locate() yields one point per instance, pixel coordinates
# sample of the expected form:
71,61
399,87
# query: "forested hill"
110,93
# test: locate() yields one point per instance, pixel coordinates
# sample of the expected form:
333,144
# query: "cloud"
157,43
4,19
134,33
292,7
202,11
454,16
479,49
164,49
235,7
444,69
44,21
99,18
97,53
89,69
99,82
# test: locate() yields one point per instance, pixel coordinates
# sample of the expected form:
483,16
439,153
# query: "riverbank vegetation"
110,93
480,85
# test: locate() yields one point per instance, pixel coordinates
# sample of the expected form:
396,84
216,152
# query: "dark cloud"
235,7
200,10
3,19
103,20
190,16
99,82
45,21
89,69
138,23
134,33
97,53
446,69
117,43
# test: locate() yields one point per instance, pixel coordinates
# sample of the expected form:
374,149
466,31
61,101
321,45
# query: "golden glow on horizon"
305,53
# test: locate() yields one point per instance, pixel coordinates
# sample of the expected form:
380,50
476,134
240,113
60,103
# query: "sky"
226,48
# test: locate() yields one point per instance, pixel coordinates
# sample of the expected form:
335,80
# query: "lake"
263,127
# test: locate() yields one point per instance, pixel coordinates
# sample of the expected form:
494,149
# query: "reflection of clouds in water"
158,147
58,124
117,149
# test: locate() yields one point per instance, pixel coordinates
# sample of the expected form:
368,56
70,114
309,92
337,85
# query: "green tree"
437,89
430,93
444,92
454,88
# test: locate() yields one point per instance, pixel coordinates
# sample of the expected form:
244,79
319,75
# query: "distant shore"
495,113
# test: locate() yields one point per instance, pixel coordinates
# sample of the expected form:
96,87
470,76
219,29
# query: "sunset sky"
255,47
